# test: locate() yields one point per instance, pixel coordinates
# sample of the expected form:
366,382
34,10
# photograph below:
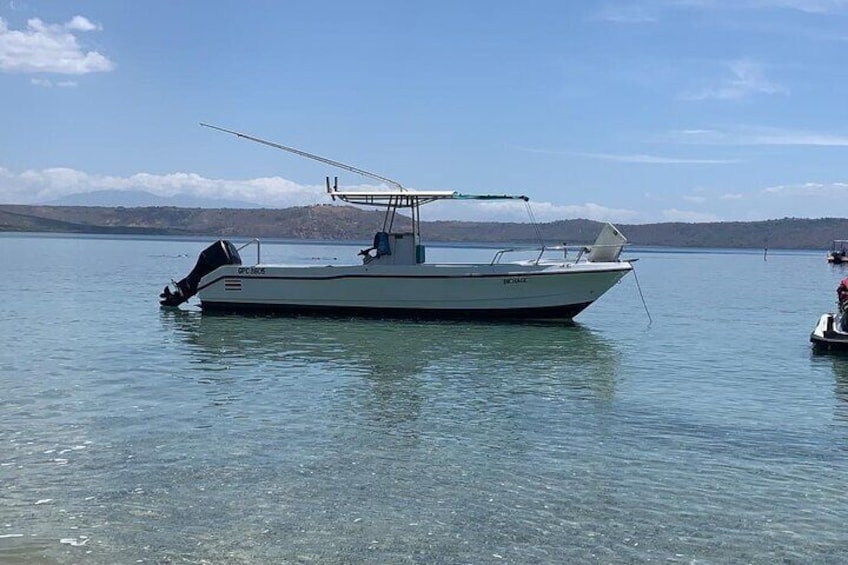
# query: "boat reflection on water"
403,362
840,386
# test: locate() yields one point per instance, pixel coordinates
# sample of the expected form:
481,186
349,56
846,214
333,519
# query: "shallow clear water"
130,434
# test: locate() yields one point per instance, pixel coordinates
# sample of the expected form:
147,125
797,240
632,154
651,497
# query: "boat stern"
220,253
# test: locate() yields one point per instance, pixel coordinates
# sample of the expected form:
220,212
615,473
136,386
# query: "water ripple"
132,434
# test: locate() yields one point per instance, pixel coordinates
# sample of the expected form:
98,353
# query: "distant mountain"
310,222
141,198
347,223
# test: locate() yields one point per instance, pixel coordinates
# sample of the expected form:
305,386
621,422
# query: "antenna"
310,156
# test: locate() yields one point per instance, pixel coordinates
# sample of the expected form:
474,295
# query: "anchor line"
642,296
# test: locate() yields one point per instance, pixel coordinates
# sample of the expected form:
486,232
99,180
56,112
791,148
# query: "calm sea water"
134,435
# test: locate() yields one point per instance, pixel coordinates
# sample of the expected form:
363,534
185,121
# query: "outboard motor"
220,253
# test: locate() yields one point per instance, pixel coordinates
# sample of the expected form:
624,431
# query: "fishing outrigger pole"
312,156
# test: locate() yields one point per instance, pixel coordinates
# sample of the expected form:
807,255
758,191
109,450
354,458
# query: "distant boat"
838,251
831,331
393,278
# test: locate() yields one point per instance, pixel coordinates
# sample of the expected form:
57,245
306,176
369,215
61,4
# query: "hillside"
342,223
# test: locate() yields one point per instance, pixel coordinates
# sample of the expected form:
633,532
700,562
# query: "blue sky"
633,112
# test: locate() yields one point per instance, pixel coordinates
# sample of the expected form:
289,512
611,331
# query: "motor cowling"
220,253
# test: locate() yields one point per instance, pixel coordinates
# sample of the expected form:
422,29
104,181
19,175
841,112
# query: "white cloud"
777,137
758,136
633,157
655,159
747,79
32,187
809,6
80,23
47,83
547,212
814,189
811,199
49,48
674,215
512,211
801,200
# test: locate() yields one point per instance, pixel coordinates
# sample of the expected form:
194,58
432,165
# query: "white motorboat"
393,278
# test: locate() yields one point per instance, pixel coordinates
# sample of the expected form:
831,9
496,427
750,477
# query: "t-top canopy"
411,198
399,197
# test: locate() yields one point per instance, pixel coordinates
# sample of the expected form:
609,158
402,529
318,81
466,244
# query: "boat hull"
827,336
500,291
544,313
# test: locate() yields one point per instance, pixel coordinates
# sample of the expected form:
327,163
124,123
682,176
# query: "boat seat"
380,246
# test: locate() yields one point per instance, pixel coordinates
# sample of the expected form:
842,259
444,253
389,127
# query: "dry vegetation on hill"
341,223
